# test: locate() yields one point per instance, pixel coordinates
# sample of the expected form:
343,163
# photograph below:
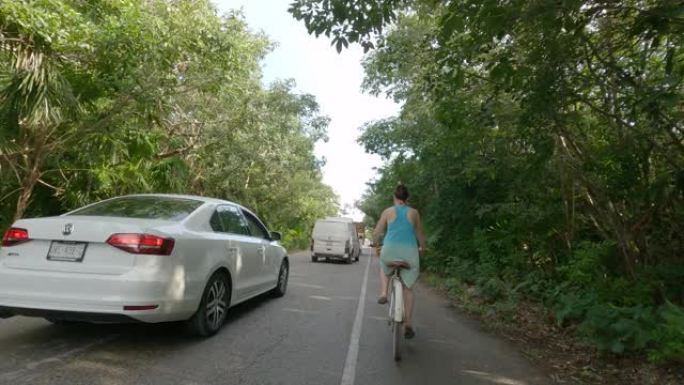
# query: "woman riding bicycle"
404,233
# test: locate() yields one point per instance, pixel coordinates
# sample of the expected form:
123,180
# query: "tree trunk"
607,216
29,181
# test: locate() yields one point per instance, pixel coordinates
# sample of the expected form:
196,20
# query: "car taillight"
15,236
142,243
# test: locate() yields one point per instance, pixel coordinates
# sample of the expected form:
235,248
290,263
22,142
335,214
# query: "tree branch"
58,190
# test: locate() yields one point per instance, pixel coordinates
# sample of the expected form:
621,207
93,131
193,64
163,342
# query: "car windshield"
144,207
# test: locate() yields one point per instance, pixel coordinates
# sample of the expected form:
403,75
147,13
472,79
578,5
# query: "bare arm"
420,233
380,227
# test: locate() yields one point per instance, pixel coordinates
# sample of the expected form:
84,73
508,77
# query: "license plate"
66,251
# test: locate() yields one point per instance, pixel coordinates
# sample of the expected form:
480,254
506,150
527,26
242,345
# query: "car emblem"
68,228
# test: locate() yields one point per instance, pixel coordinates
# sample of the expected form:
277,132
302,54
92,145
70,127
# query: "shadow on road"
142,332
36,351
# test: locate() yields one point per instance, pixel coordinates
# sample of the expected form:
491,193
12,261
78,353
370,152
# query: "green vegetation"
102,98
543,143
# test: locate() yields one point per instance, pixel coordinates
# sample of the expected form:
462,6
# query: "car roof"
331,221
338,219
181,196
195,197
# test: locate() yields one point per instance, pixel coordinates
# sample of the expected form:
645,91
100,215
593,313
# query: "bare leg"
408,307
384,283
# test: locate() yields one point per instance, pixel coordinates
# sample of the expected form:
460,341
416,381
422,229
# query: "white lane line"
349,373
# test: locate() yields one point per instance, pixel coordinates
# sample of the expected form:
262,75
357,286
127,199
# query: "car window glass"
255,227
215,222
145,207
233,222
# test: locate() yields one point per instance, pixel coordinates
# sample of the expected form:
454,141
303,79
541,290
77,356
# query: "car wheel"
283,275
349,259
213,308
314,258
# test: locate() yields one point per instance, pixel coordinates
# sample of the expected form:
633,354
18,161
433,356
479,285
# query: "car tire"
349,259
283,275
213,307
314,259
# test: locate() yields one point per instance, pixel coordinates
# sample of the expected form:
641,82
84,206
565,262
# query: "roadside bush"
493,289
619,329
453,286
631,329
295,239
585,265
669,336
572,307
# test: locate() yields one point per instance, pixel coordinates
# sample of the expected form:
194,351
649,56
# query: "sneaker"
409,333
382,300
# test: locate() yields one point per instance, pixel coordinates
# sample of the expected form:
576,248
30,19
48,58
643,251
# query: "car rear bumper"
341,257
95,298
6,312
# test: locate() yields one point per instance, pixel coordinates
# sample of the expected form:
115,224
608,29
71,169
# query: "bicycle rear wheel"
396,314
396,340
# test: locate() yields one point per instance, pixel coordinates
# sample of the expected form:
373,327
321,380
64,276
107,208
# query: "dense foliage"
102,98
543,142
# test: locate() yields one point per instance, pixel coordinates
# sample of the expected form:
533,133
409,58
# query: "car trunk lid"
75,244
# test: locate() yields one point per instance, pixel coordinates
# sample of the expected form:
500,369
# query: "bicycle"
396,308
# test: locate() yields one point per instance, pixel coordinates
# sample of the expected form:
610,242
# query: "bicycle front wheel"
396,340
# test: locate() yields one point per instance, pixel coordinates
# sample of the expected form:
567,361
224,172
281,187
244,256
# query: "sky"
334,79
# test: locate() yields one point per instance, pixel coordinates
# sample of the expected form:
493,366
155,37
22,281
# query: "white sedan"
149,258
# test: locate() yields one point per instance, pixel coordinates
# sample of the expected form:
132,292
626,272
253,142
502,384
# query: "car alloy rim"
216,303
283,278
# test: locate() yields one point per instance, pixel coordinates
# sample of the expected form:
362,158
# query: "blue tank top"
400,232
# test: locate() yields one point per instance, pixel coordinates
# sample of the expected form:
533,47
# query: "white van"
335,238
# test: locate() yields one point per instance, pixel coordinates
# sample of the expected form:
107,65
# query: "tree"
107,98
95,76
543,140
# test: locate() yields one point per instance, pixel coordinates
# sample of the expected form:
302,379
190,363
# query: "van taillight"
142,243
14,236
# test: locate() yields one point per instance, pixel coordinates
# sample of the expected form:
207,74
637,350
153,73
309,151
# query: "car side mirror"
276,236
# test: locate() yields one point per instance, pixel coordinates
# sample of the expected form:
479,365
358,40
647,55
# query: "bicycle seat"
398,265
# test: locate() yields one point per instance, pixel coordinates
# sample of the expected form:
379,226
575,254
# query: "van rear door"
330,238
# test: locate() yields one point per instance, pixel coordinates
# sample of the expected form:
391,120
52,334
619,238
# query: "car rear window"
144,207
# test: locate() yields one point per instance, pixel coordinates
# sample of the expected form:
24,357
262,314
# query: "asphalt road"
317,334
